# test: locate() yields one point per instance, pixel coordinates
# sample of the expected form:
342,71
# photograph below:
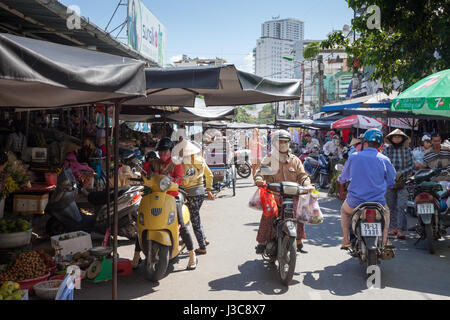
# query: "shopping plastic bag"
269,204
308,210
255,201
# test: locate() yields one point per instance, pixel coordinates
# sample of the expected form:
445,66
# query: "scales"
101,269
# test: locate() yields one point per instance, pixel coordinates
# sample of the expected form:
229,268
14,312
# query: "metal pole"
108,155
116,191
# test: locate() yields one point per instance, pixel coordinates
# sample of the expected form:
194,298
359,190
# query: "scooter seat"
98,198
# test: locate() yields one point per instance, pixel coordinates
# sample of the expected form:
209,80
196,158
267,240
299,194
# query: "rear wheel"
323,179
430,238
286,264
244,170
372,259
157,260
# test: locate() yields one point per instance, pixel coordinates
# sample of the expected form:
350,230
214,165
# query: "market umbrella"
357,121
35,73
219,86
429,96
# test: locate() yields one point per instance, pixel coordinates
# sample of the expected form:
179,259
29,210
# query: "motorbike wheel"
54,227
157,261
286,265
244,170
372,259
430,238
323,180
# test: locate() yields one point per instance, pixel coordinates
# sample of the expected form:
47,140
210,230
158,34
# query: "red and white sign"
404,123
357,121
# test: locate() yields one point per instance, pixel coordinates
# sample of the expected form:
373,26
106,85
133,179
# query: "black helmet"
165,144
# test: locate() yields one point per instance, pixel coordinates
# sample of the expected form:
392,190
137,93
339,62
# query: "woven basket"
47,290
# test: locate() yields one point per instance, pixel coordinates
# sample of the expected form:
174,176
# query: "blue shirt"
370,173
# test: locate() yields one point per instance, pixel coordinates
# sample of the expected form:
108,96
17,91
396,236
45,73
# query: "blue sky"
227,29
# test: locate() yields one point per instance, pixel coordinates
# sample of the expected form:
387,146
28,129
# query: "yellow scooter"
158,229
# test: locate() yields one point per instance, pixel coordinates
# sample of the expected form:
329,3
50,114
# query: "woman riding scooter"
159,166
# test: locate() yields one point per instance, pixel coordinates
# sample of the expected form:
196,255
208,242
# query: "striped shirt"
434,160
395,155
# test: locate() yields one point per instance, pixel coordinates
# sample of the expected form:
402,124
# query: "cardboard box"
79,241
31,204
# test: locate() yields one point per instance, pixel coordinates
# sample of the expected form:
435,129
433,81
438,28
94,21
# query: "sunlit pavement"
232,271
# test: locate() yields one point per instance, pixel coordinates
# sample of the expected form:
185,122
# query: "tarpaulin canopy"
219,86
238,125
35,73
321,123
376,100
177,114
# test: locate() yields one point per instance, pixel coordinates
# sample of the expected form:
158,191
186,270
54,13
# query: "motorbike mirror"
266,170
339,167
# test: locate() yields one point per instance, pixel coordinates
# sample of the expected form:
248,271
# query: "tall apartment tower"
279,38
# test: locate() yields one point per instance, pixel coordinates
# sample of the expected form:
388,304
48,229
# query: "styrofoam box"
74,245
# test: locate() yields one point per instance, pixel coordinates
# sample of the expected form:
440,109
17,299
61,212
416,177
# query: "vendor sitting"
83,173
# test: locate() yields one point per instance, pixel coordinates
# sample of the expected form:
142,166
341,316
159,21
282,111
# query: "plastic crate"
80,243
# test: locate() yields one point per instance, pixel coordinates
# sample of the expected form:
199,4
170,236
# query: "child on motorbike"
162,165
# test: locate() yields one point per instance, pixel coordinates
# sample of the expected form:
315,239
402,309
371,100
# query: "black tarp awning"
321,123
237,125
35,73
220,86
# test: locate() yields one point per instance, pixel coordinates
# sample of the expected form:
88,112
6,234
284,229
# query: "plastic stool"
124,267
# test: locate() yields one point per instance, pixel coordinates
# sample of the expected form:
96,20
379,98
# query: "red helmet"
331,133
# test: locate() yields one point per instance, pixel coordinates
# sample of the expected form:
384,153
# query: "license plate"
425,208
371,229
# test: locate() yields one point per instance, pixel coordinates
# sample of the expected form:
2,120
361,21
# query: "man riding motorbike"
311,143
160,166
369,173
290,168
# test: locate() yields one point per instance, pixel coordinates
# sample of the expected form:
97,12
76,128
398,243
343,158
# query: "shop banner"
145,33
404,123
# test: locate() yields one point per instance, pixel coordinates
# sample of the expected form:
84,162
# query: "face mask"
283,147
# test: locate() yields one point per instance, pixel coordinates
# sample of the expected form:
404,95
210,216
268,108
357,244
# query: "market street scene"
147,153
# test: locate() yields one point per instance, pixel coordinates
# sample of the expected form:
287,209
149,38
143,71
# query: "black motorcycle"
65,216
366,234
242,163
431,218
282,246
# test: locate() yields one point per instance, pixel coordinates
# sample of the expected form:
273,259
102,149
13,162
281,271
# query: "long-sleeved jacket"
292,170
201,170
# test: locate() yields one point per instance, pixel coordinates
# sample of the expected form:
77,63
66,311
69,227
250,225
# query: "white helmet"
426,137
281,135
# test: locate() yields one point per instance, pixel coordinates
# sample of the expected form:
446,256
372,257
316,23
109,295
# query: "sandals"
393,232
192,265
401,236
346,246
199,251
137,266
260,248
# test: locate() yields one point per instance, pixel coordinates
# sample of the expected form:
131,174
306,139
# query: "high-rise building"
280,38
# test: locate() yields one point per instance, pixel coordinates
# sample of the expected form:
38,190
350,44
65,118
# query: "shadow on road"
256,275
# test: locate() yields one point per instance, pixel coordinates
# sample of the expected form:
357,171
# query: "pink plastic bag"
308,210
255,201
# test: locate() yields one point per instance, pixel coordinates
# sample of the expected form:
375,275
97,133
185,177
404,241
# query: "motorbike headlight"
171,218
141,218
290,190
164,183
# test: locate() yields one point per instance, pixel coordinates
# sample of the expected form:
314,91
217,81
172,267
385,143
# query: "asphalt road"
232,271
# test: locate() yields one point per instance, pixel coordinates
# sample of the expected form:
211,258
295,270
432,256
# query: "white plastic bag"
308,210
255,201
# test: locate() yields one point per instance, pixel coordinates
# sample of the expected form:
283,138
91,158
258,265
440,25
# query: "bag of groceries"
269,205
308,210
255,201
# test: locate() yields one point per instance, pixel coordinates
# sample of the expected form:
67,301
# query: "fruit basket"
47,290
29,284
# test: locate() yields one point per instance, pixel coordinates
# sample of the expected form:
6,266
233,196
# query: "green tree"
413,40
266,115
311,50
242,115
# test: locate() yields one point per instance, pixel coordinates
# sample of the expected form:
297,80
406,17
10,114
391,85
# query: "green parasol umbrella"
430,96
